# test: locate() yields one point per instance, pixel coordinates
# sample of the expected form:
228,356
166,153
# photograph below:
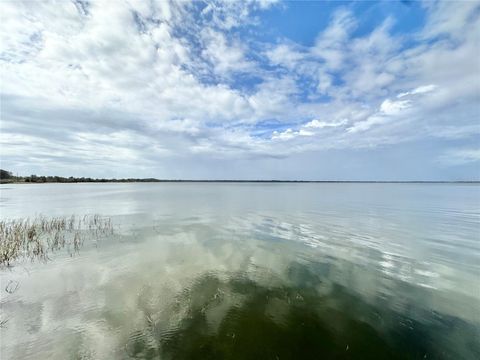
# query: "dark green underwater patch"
302,325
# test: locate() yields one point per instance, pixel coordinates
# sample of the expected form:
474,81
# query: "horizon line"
153,180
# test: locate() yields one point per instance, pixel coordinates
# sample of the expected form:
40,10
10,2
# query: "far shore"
103,181
7,177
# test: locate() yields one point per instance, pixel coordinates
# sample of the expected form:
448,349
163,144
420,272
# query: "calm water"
250,271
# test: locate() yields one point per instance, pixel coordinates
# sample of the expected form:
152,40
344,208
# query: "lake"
248,271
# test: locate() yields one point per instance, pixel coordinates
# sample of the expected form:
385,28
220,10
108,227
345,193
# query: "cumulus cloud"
284,55
84,81
227,59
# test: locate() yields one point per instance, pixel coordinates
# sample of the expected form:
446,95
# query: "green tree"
4,174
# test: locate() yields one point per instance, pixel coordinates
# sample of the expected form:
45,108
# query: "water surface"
250,271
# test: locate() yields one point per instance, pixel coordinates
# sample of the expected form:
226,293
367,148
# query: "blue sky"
241,90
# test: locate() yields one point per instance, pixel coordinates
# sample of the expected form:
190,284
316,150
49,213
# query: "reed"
35,238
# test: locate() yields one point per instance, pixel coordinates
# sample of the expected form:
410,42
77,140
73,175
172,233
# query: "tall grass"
35,238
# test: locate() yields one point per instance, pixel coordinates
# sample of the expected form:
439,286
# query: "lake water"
249,271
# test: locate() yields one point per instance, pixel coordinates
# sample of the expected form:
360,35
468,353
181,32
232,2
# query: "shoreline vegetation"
6,177
36,238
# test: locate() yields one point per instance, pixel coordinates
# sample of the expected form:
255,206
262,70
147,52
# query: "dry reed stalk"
36,238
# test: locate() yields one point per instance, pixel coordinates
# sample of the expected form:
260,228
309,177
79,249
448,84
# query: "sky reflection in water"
251,271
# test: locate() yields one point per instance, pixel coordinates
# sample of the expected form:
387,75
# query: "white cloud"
367,124
225,58
227,15
318,124
163,78
325,82
390,107
331,43
274,97
419,90
290,134
450,18
284,55
389,110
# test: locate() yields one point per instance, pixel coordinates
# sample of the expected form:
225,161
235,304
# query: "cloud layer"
132,88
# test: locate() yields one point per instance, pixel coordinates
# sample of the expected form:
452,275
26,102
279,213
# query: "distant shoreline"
103,181
7,177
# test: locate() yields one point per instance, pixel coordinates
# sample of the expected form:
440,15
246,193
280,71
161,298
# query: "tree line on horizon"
8,177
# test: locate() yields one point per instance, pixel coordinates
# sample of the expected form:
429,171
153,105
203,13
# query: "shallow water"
250,271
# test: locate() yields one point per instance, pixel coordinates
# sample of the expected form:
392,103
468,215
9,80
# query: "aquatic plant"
38,237
294,318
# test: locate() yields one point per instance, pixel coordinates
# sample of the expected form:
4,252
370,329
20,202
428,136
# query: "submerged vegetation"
301,317
38,237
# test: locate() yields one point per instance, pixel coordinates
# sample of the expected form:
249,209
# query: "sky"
241,90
